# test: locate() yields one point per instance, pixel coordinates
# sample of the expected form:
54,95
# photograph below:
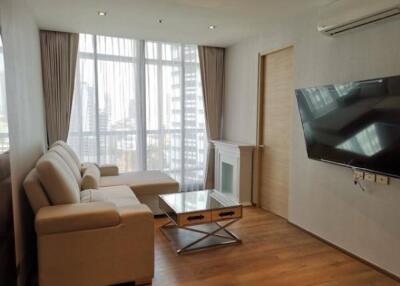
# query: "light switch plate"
369,177
384,180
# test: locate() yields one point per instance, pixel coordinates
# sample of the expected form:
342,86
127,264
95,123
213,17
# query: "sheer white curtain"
139,104
175,124
103,121
4,140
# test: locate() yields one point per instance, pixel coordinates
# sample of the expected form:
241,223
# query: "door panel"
277,91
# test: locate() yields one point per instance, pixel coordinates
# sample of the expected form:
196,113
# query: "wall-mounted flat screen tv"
356,124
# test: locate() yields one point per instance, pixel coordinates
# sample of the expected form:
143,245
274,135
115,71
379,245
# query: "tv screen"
354,124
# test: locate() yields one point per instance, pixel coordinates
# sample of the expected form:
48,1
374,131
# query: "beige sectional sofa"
92,229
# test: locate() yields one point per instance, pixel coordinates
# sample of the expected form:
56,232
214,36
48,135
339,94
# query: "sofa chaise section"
146,185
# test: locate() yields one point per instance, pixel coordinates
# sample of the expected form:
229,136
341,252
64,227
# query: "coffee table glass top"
197,201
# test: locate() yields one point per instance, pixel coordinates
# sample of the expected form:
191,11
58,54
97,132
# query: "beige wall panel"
322,197
25,117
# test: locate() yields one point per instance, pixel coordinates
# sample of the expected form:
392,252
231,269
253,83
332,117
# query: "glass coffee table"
199,219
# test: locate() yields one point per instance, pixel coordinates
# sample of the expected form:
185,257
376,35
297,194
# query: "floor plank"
273,252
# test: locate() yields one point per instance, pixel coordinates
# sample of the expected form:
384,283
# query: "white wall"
25,111
322,197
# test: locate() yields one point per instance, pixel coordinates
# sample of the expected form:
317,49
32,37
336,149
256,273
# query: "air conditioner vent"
341,17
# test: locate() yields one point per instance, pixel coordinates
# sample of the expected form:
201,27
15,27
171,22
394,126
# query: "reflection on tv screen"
355,124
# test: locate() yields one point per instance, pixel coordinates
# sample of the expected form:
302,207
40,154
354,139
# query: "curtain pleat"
212,76
59,53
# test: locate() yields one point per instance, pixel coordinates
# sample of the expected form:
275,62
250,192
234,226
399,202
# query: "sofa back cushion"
69,160
34,191
57,179
70,151
91,177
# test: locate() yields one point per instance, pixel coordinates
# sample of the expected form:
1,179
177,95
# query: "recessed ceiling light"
102,13
212,27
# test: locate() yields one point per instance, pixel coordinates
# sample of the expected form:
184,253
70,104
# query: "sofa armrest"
76,217
139,217
139,212
108,170
138,223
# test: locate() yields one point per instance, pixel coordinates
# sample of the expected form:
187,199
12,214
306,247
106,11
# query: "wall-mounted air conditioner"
341,16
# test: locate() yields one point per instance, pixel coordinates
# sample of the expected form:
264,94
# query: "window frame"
141,62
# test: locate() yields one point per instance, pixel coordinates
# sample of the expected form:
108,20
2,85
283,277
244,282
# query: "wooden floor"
273,253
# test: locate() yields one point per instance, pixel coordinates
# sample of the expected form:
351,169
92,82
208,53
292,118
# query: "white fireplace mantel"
233,170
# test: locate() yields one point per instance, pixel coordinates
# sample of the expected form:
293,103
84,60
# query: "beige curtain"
212,76
59,51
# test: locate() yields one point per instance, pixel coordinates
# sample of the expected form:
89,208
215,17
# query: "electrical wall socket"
369,177
384,180
358,174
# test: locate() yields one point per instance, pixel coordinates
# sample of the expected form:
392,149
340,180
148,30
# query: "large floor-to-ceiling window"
4,139
139,104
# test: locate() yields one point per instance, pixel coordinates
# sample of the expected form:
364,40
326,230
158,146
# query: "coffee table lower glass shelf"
199,220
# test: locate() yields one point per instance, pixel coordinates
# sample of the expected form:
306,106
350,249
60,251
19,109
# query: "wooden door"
274,129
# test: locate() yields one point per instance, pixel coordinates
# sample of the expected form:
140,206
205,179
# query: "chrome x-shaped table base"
229,238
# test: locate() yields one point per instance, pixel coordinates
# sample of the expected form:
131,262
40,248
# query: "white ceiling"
185,21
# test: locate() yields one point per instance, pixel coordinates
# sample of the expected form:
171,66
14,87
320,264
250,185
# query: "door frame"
260,121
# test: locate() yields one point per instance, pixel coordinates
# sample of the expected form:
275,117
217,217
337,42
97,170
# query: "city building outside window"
139,104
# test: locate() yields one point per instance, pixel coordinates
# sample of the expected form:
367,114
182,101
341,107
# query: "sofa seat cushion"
143,182
121,196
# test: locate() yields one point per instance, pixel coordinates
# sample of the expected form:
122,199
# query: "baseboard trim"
376,267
